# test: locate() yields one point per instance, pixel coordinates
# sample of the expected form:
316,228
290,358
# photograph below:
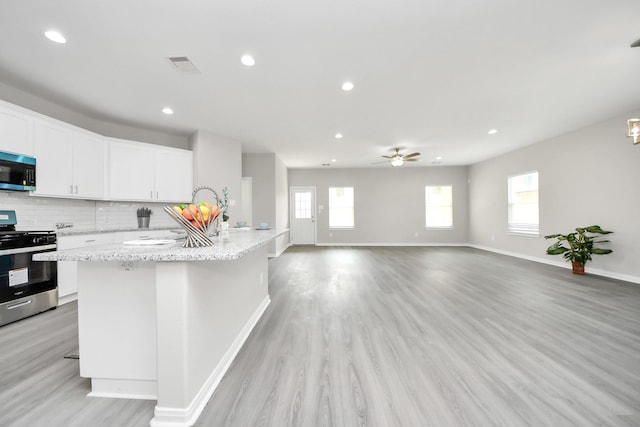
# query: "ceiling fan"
636,43
398,159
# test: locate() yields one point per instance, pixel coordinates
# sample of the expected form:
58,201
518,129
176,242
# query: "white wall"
587,177
217,163
282,204
270,194
389,204
262,168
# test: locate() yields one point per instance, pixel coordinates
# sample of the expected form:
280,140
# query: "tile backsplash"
43,213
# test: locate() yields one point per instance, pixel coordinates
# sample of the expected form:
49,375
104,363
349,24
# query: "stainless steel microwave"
17,172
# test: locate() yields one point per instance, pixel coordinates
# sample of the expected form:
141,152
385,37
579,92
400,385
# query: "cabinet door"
174,175
68,270
52,150
130,171
88,165
15,131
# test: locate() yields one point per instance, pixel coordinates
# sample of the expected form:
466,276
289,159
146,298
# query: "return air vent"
184,64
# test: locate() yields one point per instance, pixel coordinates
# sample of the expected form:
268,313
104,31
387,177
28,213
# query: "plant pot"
143,221
577,268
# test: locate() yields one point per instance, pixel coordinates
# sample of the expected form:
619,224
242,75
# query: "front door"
303,215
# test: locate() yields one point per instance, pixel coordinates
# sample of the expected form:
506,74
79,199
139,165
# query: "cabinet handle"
76,189
90,240
157,195
151,192
71,189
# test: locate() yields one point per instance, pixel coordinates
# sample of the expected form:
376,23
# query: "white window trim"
342,227
443,227
520,232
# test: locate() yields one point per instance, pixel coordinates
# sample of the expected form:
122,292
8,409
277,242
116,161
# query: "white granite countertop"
239,243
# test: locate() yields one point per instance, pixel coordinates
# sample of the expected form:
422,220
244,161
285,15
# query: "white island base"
167,331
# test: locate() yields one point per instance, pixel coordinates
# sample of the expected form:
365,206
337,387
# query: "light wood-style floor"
410,337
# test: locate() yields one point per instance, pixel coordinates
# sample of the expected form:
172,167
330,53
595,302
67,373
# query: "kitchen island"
164,322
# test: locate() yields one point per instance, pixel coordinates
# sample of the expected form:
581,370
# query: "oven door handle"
19,304
28,249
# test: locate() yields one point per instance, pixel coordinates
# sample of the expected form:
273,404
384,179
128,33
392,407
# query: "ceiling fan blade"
388,157
412,160
408,156
636,43
377,163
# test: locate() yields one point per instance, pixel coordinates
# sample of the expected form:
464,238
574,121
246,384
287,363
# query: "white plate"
149,242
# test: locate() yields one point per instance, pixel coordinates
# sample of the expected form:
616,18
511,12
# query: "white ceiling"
430,75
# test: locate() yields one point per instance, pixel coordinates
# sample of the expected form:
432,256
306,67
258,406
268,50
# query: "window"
340,207
438,206
523,204
302,205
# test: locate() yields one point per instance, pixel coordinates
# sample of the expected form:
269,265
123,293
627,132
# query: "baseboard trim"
278,253
566,265
177,417
391,244
67,298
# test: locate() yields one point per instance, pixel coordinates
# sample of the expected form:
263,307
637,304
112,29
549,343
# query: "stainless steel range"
27,287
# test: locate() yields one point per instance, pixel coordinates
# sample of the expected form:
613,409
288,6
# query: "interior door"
303,215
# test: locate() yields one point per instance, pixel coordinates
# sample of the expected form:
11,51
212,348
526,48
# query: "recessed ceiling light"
439,158
493,131
55,36
248,60
167,111
334,160
338,135
347,86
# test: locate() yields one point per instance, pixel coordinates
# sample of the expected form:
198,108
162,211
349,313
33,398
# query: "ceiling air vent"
184,64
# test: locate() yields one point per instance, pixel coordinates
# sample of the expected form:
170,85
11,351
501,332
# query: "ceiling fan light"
397,161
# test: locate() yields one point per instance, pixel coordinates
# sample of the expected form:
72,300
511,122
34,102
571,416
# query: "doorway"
302,202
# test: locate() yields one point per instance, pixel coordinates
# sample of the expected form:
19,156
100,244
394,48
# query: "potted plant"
578,247
144,215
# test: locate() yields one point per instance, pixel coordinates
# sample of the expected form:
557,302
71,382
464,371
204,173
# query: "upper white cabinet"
89,158
145,172
16,129
52,150
131,173
70,161
174,174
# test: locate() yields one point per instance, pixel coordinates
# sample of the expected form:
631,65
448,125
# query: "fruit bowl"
196,220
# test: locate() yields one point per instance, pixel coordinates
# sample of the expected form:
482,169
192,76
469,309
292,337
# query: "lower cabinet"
68,270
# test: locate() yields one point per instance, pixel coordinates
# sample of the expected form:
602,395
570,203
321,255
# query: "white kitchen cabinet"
70,161
131,171
52,150
89,158
68,270
16,130
144,172
174,175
